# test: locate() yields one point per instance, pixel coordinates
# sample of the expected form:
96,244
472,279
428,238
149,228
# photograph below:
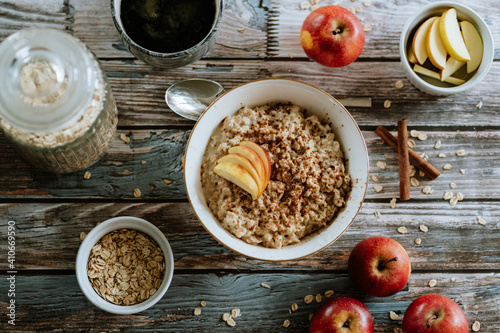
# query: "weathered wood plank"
387,19
140,91
121,169
55,303
48,235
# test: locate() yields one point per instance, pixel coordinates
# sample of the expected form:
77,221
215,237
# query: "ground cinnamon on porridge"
308,183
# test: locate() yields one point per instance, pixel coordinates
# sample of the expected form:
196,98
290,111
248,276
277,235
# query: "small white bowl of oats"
124,265
317,177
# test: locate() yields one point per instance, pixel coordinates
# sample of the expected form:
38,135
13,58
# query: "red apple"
379,266
332,36
434,314
341,315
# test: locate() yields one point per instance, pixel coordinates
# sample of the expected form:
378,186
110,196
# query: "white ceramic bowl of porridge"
317,102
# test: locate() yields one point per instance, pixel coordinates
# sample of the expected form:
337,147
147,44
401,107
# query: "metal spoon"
189,98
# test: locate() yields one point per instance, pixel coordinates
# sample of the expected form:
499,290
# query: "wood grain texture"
262,310
140,91
48,235
121,169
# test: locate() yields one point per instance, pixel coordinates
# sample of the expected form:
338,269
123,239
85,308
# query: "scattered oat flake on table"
424,228
368,27
393,315
358,9
417,241
460,152
453,279
314,2
318,298
377,214
447,195
480,220
378,188
414,182
235,313
479,105
294,307
422,174
367,3
82,235
412,170
387,103
393,203
381,165
374,178
414,133
86,175
242,31
460,196
432,283
314,7
197,311
476,326
399,84
452,185
442,155
137,193
167,181
124,138
226,316
427,189
447,166
411,143
231,322
203,303
264,285
437,145
305,5
462,171
422,136
398,330
402,230
453,201
286,323
308,299
329,293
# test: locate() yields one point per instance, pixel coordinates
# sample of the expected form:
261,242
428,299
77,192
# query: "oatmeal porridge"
308,184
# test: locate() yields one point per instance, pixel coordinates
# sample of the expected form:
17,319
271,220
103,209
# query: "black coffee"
167,26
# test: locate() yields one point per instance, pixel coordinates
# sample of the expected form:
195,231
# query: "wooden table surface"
258,39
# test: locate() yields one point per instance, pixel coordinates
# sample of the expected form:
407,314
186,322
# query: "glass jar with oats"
56,105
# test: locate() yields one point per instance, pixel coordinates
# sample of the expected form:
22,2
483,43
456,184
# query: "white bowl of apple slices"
446,48
315,101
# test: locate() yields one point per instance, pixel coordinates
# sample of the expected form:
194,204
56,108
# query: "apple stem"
337,31
382,265
430,320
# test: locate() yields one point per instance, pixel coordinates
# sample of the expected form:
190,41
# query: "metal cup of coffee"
167,33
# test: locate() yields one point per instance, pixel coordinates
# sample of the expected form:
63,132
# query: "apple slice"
451,36
245,163
427,72
419,45
263,154
411,56
450,67
435,47
238,175
254,158
474,44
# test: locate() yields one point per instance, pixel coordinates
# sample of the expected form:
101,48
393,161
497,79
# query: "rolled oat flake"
56,105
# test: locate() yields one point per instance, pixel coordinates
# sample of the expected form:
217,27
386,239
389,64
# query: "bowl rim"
289,258
476,78
104,228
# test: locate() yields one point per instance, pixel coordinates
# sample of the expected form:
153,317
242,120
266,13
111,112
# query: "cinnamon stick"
404,161
415,158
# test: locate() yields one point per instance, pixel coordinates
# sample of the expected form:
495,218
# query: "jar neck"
50,79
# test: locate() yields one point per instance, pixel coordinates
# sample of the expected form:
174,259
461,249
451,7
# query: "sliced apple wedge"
254,158
411,56
263,154
238,175
419,44
427,72
452,37
450,67
245,163
435,47
474,44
